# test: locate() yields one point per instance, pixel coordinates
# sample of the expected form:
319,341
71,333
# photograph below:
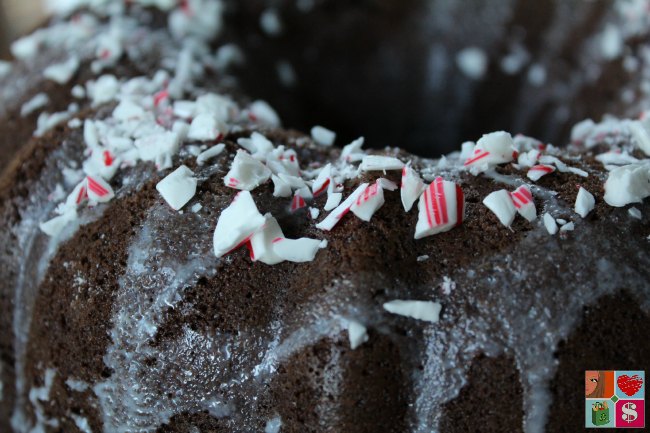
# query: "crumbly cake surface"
124,319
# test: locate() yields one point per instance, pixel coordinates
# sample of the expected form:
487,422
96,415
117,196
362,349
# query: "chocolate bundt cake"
175,260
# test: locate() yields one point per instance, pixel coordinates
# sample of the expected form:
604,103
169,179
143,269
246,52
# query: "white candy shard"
357,333
368,202
567,227
378,162
128,110
246,172
640,134
582,130
210,153
335,216
352,152
257,145
206,127
386,184
421,310
537,171
296,250
522,198
490,150
262,242
412,187
314,212
500,203
280,187
262,112
528,159
178,187
585,202
628,184
158,147
441,208
333,200
561,166
237,224
550,224
55,225
196,207
39,100
62,72
635,213
323,136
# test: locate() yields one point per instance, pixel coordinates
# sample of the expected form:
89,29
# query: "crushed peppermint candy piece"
628,184
422,258
379,162
281,161
567,227
128,110
333,200
205,127
62,72
536,172
246,172
368,202
298,202
237,224
561,166
98,189
352,152
522,198
158,147
635,213
178,187
641,134
323,136
448,285
314,212
387,184
322,181
421,310
196,207
39,100
261,243
490,150
550,224
297,250
528,159
441,208
500,203
55,226
262,112
411,188
281,188
357,334
210,153
585,202
339,212
257,145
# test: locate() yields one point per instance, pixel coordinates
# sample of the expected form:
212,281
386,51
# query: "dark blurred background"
389,69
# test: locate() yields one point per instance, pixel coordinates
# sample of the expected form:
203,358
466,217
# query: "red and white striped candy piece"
490,150
237,224
297,250
246,172
368,202
297,202
379,162
261,243
500,203
441,208
281,161
322,181
522,198
98,189
536,172
339,212
585,202
412,187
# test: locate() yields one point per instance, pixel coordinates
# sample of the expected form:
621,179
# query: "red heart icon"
629,385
